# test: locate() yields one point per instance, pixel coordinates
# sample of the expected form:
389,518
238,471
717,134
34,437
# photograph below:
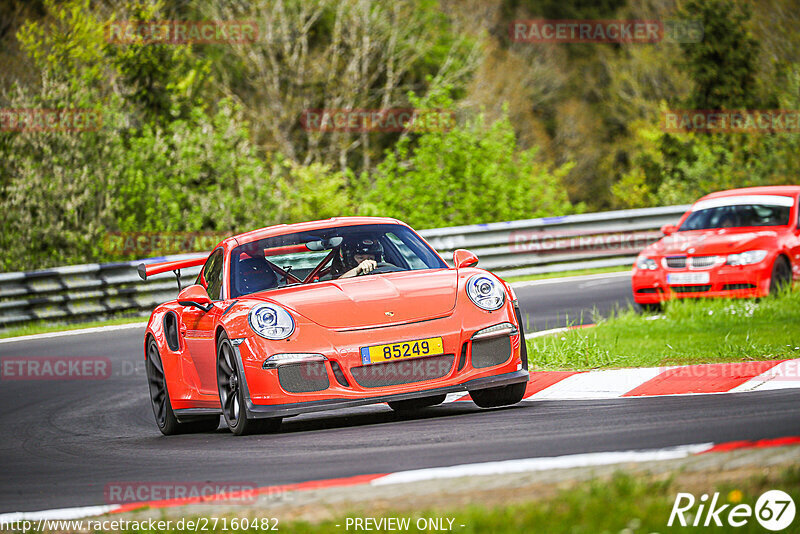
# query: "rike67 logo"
774,510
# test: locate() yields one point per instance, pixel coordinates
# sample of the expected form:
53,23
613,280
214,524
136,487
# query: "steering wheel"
384,267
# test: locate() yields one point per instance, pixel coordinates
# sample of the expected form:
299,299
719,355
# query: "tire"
411,405
231,395
166,421
781,275
654,307
502,396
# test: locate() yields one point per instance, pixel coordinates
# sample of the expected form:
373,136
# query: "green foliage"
470,174
312,192
723,64
193,174
208,137
690,331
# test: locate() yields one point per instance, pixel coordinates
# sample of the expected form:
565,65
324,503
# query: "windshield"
729,213
328,254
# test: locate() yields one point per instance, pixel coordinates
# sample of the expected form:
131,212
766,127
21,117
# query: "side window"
210,276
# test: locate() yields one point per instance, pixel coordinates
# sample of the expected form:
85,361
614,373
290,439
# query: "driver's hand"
366,266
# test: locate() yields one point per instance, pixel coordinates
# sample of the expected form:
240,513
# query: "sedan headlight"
747,258
486,292
271,321
646,264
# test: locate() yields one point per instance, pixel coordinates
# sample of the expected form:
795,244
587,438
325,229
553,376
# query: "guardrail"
515,248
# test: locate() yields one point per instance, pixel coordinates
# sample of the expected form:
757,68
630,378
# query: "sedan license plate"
677,279
390,352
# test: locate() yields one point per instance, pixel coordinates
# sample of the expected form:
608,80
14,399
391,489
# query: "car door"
198,325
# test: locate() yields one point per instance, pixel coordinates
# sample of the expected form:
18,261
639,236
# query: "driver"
360,256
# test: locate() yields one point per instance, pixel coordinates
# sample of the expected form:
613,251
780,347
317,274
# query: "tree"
470,174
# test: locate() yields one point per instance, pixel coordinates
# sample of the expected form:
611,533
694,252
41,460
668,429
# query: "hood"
374,300
711,242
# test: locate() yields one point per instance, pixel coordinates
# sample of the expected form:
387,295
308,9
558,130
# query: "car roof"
282,229
791,190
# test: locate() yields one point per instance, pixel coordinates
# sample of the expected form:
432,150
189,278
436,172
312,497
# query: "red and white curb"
418,475
655,381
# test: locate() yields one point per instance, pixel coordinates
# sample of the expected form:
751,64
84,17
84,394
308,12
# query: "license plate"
678,279
390,352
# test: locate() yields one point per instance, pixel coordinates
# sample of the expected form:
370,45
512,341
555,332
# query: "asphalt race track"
63,441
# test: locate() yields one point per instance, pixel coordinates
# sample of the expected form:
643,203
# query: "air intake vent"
691,289
704,262
462,361
339,375
403,372
675,262
303,377
734,287
491,352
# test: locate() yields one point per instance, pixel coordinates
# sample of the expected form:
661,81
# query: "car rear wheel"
167,423
781,275
416,404
502,396
231,395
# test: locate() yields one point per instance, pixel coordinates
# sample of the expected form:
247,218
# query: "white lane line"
78,332
62,513
566,279
608,384
540,464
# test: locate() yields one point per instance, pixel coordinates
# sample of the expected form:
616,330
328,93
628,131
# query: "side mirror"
464,258
669,229
195,295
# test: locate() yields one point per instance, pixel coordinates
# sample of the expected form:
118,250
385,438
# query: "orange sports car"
329,314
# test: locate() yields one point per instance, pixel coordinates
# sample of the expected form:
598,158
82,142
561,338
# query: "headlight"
486,292
646,264
271,321
747,258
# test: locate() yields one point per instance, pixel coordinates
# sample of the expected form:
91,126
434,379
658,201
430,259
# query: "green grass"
621,504
687,332
579,272
41,327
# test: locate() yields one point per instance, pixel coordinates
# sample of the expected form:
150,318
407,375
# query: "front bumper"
343,380
745,281
285,410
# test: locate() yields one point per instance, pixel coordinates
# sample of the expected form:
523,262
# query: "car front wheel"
502,396
231,395
781,275
416,404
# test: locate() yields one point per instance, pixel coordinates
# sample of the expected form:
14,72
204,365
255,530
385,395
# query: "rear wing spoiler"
150,269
